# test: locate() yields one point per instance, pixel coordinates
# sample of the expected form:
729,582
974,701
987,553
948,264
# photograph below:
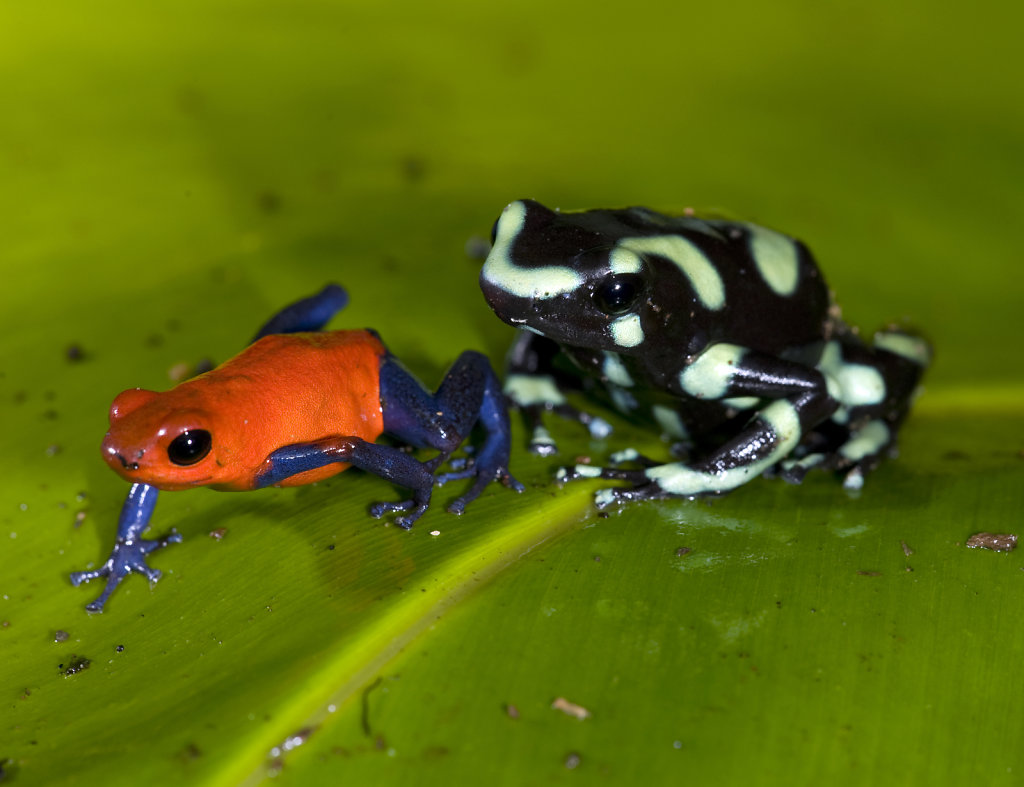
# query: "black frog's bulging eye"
189,447
617,294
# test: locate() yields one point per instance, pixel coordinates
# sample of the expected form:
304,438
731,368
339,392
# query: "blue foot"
126,558
377,510
485,470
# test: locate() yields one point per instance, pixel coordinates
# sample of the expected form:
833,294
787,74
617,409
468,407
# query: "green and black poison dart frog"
297,406
724,332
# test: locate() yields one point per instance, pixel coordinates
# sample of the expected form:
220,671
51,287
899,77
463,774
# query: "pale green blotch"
742,402
626,331
911,347
541,436
702,274
854,480
776,259
599,428
709,375
625,455
678,479
670,422
807,462
604,497
623,400
858,384
528,389
537,283
868,440
624,260
615,371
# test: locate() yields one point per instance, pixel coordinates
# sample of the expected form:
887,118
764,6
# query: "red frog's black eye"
617,294
189,447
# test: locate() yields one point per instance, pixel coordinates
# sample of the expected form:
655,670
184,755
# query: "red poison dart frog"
297,406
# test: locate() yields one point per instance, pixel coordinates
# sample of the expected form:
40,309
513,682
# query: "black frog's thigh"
877,385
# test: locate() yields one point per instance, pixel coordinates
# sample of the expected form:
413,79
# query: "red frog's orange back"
282,390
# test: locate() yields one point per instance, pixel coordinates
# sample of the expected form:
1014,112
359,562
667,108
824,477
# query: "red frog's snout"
155,442
117,452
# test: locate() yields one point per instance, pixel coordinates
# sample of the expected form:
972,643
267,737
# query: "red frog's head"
167,440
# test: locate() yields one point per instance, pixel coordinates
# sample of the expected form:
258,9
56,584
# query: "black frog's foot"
615,495
541,441
127,557
792,471
583,472
641,486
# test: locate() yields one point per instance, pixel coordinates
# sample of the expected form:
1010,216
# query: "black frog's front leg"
792,399
130,550
534,386
469,395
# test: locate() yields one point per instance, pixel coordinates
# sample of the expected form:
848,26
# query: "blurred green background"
170,175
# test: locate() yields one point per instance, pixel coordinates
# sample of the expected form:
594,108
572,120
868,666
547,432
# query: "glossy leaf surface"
170,177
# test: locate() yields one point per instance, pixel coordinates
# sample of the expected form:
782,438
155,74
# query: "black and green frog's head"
567,276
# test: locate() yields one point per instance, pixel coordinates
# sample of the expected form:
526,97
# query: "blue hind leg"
129,553
469,395
309,314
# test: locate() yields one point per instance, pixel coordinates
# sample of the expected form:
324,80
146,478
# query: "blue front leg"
129,552
385,461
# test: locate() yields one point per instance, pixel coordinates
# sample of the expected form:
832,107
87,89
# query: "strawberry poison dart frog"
723,332
298,406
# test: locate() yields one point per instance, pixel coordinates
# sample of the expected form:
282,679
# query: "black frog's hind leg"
860,434
308,314
470,394
901,358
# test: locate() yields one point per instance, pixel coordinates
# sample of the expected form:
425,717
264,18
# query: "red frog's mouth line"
125,463
133,466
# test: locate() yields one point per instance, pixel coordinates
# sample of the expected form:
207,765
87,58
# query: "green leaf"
170,177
